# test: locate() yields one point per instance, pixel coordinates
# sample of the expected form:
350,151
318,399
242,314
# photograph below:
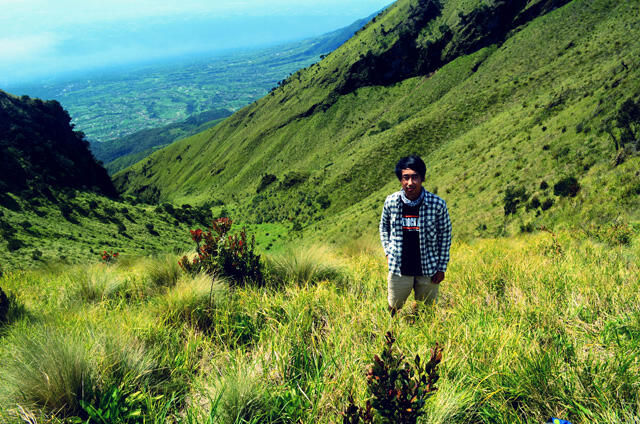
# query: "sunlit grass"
534,326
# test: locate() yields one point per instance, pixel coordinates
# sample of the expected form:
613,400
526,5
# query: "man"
415,231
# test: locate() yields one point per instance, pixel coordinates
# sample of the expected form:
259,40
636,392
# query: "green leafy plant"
398,388
114,405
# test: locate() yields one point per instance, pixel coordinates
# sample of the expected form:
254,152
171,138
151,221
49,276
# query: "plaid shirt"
435,233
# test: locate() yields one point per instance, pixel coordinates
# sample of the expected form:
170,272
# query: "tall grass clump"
193,300
47,369
96,284
162,271
305,266
240,396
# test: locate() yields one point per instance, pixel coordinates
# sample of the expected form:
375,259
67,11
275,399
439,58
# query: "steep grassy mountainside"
512,104
40,151
119,154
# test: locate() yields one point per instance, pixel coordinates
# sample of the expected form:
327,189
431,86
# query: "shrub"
36,255
266,180
566,187
150,227
293,178
324,201
227,255
617,233
384,125
512,197
546,205
534,203
398,389
14,244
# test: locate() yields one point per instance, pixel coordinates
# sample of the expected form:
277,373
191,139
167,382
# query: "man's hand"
437,277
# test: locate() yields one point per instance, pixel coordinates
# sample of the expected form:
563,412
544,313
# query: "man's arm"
443,225
385,228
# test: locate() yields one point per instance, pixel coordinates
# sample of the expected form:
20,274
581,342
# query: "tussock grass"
305,265
47,369
161,271
193,300
240,396
97,283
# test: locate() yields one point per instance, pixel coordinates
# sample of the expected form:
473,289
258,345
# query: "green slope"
126,151
510,94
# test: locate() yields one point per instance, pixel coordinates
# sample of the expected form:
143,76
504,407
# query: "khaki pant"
399,287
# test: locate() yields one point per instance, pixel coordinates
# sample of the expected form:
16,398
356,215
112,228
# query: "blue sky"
43,38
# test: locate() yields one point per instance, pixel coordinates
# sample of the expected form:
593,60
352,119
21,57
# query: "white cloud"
15,49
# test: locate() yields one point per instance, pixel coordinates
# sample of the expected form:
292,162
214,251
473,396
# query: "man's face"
411,183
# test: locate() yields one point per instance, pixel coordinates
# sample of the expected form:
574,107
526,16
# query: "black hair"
411,162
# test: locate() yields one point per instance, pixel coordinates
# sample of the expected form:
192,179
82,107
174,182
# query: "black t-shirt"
410,264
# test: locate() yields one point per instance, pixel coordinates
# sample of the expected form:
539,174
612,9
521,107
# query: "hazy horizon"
40,40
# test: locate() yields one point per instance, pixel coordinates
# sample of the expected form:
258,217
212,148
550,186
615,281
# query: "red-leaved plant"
222,254
109,257
398,389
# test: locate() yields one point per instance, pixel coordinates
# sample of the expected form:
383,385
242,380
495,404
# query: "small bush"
151,229
617,233
513,196
293,178
267,179
566,187
384,125
323,201
546,205
14,244
109,257
534,203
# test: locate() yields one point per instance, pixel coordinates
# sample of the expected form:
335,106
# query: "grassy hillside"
532,327
509,94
